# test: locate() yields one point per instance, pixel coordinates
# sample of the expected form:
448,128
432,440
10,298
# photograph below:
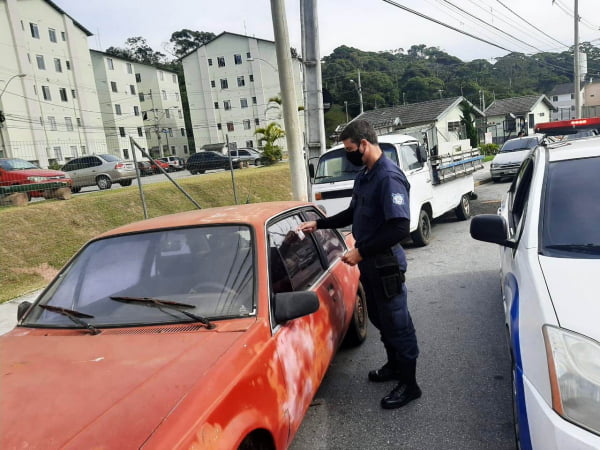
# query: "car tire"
103,182
257,162
463,210
202,171
422,235
496,179
75,190
357,331
514,405
126,182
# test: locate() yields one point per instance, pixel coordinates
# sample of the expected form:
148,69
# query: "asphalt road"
463,369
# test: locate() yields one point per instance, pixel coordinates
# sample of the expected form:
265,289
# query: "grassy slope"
37,240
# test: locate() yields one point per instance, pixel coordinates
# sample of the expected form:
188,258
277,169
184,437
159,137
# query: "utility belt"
389,272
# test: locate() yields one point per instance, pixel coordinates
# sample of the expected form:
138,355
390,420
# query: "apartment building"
47,94
160,102
229,82
119,103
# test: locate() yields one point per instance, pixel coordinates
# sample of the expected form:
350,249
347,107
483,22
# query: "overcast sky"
370,25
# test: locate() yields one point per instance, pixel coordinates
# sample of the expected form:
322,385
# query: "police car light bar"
567,126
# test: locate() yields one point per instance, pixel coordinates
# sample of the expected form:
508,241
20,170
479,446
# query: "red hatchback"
18,172
204,329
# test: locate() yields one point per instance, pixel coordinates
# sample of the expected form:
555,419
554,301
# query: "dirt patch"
43,270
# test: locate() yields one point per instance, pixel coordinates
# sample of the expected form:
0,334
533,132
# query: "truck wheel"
103,182
357,331
463,210
422,235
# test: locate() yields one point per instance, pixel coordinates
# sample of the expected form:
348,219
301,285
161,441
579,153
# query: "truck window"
410,160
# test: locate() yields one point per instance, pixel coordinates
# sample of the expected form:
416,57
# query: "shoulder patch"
398,199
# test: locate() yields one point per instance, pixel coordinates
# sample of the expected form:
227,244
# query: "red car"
157,162
205,329
18,172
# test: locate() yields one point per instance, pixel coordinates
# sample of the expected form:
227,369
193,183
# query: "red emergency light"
567,126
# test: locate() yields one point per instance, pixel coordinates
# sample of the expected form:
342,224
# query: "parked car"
145,168
159,163
507,161
208,160
547,229
175,162
248,155
206,329
99,170
15,171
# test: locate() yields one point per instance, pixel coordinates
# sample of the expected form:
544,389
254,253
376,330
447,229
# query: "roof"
62,11
413,114
517,105
561,89
122,58
223,34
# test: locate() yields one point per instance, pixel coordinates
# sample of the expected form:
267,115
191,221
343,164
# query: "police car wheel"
422,235
357,331
514,406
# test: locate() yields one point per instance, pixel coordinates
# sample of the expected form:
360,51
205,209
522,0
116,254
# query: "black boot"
406,390
387,372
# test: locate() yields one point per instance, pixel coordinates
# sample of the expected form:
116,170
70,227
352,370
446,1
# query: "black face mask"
355,158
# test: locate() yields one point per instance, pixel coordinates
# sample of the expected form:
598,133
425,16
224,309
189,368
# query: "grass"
38,239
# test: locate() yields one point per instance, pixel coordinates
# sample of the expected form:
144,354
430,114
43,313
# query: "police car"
548,227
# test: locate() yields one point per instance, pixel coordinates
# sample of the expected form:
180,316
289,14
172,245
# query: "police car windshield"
333,165
571,215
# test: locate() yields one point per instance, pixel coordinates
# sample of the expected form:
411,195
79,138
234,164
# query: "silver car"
247,155
99,170
507,161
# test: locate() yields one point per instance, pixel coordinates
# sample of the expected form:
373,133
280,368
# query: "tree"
185,41
137,49
468,120
267,138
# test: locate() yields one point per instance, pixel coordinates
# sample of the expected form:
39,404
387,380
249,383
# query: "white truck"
438,183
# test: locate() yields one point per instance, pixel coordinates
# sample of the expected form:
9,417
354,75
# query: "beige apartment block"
47,92
230,82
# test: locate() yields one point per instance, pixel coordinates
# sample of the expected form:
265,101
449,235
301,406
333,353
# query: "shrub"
489,149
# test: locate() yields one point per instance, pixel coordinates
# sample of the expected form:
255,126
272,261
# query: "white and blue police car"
548,229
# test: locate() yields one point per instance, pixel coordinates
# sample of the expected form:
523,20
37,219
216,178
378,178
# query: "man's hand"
307,227
352,257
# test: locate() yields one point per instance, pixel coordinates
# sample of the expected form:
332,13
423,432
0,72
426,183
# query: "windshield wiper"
160,304
581,248
75,316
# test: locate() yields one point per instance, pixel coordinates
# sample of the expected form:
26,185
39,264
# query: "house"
562,97
49,100
436,121
230,82
591,102
508,117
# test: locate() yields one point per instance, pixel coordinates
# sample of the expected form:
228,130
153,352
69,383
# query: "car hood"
571,284
511,157
39,173
69,389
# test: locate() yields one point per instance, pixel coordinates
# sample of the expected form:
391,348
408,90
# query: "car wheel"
463,210
257,162
496,179
125,182
422,235
514,405
103,182
75,190
357,331
202,171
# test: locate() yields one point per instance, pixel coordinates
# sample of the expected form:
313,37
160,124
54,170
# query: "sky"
369,25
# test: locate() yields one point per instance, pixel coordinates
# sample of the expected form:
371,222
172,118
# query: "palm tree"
267,138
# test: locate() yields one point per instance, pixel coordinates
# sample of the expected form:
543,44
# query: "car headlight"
574,367
37,179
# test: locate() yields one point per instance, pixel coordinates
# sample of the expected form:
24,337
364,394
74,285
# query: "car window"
293,259
110,158
519,197
329,240
244,152
515,145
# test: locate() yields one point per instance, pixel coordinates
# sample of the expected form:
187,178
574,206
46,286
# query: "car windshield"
110,158
16,164
571,209
334,166
519,144
210,269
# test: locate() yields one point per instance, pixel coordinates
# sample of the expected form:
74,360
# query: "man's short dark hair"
357,130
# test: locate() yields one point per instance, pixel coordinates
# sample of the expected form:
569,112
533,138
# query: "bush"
489,149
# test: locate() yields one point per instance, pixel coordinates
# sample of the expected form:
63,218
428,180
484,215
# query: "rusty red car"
209,329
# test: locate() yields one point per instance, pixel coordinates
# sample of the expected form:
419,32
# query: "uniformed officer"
380,216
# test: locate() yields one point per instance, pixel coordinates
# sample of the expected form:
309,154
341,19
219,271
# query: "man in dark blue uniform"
380,216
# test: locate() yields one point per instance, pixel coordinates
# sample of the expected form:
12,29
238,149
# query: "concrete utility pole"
359,90
313,88
288,99
577,69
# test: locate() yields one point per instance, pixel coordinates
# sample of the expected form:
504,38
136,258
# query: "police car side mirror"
491,228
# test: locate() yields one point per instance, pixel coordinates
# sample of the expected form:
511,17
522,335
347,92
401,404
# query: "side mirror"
491,228
291,305
422,154
22,309
311,170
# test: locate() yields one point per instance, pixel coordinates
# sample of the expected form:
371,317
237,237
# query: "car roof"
580,148
254,213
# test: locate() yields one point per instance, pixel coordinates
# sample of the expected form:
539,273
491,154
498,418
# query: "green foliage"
489,149
54,165
468,120
185,41
267,138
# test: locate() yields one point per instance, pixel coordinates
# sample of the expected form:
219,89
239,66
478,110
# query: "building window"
122,131
63,94
57,65
177,96
58,153
171,132
555,98
83,150
257,121
167,113
241,81
138,78
221,61
251,77
250,144
227,105
224,83
136,111
572,96
35,33
68,64
216,105
174,78
78,120
182,131
74,151
63,36
185,149
129,68
180,114
164,94
40,62
46,93
243,102
113,86
69,124
141,95
52,123
248,55
454,126
210,61
247,124
52,34
109,63
161,75
126,153
213,84
73,93
230,126
254,100
118,110
219,126
132,89
140,132
237,59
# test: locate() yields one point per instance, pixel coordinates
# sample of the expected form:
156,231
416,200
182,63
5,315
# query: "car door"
305,345
419,178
